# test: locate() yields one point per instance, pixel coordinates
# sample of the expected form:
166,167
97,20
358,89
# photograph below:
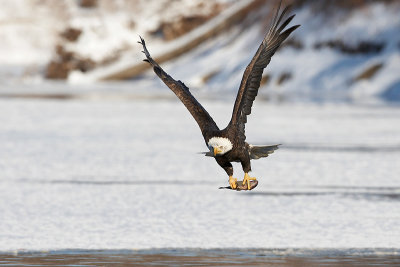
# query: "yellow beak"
216,151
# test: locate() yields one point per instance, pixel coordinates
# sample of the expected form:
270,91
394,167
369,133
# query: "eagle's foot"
248,184
247,180
232,182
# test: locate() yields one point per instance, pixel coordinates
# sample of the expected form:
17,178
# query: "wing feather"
203,119
252,76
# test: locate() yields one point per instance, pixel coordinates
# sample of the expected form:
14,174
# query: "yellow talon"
233,182
247,180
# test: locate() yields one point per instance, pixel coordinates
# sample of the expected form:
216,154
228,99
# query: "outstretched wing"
252,76
203,119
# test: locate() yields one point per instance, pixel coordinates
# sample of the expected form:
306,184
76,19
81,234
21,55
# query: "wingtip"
287,32
296,26
142,42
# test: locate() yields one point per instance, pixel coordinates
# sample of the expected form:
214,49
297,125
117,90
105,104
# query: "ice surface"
126,175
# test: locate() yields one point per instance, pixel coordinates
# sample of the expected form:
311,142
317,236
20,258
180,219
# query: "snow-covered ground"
124,174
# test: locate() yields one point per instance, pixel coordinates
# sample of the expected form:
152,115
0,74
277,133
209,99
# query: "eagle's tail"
257,152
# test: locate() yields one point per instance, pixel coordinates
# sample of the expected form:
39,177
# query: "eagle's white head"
219,145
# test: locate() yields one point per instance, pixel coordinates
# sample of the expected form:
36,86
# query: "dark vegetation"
369,72
71,34
329,6
169,30
88,3
66,61
363,47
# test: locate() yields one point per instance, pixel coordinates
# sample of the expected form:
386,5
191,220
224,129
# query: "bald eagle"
228,145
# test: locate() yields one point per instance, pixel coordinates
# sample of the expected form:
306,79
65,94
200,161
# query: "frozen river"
101,174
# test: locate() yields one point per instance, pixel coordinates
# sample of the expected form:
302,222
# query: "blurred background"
97,153
343,51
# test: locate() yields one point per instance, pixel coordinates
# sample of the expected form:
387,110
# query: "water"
193,257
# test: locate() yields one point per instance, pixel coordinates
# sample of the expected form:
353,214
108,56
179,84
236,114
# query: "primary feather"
252,76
